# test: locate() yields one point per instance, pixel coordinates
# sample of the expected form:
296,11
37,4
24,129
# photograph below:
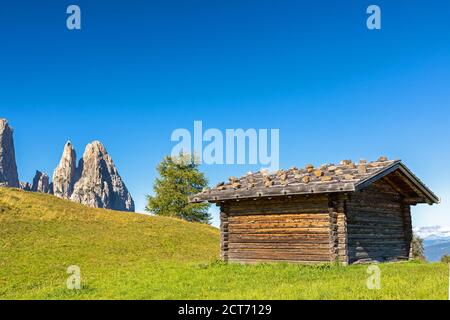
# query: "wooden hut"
351,212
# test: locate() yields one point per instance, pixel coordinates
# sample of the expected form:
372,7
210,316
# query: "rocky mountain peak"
95,182
65,173
96,146
99,183
41,183
8,167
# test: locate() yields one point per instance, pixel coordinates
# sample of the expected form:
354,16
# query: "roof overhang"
413,181
395,173
290,190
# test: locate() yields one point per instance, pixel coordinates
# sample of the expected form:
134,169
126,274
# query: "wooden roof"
344,177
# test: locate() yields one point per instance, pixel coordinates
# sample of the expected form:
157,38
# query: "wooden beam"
412,186
394,186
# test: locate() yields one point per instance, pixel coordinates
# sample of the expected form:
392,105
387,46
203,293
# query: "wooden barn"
351,212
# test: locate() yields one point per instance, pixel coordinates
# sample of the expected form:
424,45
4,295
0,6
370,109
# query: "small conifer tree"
178,179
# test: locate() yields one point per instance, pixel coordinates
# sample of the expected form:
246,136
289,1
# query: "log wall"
378,225
294,229
365,226
337,207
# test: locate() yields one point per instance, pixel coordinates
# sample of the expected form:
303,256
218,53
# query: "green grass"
132,256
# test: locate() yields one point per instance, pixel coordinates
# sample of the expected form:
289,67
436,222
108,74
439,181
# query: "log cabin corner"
351,213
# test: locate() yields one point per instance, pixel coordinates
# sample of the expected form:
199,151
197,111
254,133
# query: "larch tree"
179,178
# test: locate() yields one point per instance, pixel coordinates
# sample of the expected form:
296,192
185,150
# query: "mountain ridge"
436,240
95,182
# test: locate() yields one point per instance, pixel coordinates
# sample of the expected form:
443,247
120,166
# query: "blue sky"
140,69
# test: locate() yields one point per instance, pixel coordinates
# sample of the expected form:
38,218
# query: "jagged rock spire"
25,186
96,182
8,166
65,173
41,183
99,184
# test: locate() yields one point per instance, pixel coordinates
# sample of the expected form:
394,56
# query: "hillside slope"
131,256
41,236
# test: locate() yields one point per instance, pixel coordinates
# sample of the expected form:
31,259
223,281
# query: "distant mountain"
436,251
436,241
95,182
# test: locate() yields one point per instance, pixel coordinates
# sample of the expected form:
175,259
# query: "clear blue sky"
140,69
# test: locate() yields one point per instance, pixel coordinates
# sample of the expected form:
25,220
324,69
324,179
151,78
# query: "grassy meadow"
133,256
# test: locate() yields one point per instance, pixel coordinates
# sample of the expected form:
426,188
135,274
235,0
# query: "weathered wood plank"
301,230
262,260
279,245
298,217
376,228
282,236
281,224
270,255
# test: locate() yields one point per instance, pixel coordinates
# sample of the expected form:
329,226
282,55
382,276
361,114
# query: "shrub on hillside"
417,248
